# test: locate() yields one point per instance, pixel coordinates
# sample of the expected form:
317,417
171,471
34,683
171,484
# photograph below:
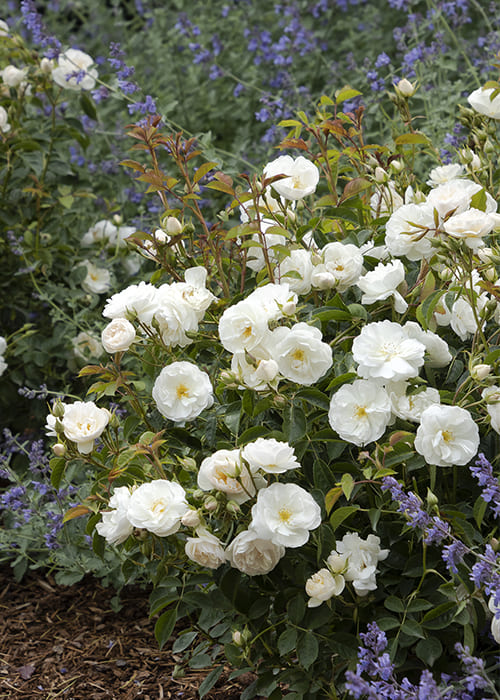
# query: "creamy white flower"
252,554
206,549
73,71
243,326
454,197
84,422
115,526
485,101
3,345
3,365
301,179
264,203
384,351
158,506
447,436
382,282
259,375
360,412
285,513
492,397
408,231
256,257
139,300
471,225
322,586
4,120
463,320
299,262
270,455
224,471
194,292
301,354
410,406
85,346
495,622
4,28
175,317
103,230
385,200
50,421
13,76
274,300
182,391
118,335
445,173
340,267
362,558
97,280
437,353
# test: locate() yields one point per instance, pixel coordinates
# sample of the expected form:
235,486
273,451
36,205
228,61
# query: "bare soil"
67,642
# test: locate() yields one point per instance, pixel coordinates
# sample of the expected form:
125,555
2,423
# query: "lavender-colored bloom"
33,21
483,471
453,555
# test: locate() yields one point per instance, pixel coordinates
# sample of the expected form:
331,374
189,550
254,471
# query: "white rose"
84,422
259,375
495,622
471,225
408,231
285,513
3,345
436,349
270,455
182,391
296,270
3,365
301,354
362,558
115,526
118,335
454,197
13,76
447,436
97,280
382,282
243,327
4,28
411,406
4,120
274,300
252,554
175,317
206,550
482,101
225,472
73,62
360,412
194,292
158,506
103,230
85,346
340,267
445,173
322,586
463,320
492,397
384,351
140,300
301,179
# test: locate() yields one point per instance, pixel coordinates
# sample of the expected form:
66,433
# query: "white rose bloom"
384,351
252,554
471,225
299,262
411,406
385,200
492,397
445,173
85,346
13,76
382,282
50,422
175,316
118,335
301,354
495,622
482,101
265,203
256,260
274,300
340,267
103,230
322,586
360,412
4,28
4,120
73,62
3,365
122,233
158,506
447,436
454,197
84,422
224,471
115,526
138,299
261,375
243,326
98,279
436,349
408,231
270,455
3,345
362,558
206,549
182,391
462,318
285,513
301,179
194,292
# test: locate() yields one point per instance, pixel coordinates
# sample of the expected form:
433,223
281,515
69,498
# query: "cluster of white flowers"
111,234
81,422
86,347
353,560
3,348
485,101
73,70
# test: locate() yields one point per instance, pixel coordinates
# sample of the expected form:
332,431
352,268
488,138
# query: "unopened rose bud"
489,148
337,563
46,65
405,88
446,274
380,174
289,308
191,519
279,401
432,500
59,449
160,236
480,372
233,508
210,504
491,274
396,166
237,638
118,219
495,544
267,370
173,226
58,410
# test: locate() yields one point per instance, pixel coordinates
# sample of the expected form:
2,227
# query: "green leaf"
183,641
203,170
88,105
411,139
429,650
57,465
295,423
341,514
440,617
388,623
479,510
345,93
287,641
347,485
394,604
307,649
478,200
208,683
165,626
296,609
412,629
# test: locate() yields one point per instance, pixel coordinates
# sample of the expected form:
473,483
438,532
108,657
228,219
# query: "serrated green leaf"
287,641
340,514
429,650
394,604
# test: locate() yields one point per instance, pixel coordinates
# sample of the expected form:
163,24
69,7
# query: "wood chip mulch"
67,642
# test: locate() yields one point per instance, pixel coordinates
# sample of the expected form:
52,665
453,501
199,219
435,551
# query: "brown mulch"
67,642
